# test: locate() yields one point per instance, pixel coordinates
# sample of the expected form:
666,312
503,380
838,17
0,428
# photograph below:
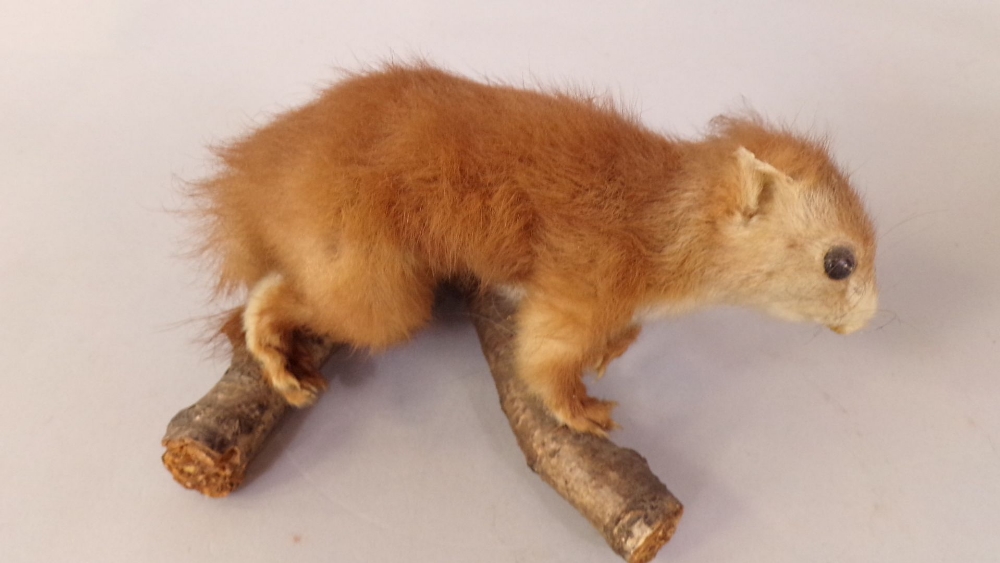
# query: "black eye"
839,263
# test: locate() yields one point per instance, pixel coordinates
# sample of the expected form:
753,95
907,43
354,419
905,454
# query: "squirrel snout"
862,312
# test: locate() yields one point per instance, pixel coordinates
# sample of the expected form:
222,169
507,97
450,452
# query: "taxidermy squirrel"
342,217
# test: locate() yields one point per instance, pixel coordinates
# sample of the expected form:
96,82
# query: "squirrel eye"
839,263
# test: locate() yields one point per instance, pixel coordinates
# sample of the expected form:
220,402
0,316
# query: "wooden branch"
210,444
611,486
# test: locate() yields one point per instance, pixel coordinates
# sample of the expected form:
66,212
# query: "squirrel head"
795,239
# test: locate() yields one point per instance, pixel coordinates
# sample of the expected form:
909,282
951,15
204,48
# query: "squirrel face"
799,244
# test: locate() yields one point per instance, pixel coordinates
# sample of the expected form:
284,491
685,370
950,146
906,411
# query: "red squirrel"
341,218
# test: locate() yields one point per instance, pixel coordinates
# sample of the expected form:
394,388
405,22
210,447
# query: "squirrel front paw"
584,413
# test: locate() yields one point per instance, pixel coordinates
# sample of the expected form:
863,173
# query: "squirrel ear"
758,181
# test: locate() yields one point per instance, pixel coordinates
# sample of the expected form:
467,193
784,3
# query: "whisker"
893,319
819,330
907,220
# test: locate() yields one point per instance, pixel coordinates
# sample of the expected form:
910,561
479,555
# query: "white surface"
786,443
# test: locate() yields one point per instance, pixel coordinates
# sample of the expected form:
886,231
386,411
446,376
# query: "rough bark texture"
611,486
210,443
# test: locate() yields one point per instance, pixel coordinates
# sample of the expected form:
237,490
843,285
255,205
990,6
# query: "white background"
786,443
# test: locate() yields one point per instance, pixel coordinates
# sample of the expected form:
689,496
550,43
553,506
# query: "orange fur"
341,217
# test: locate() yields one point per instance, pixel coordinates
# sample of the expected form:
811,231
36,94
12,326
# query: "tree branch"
210,443
612,487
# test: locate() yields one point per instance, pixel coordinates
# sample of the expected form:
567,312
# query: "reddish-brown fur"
341,218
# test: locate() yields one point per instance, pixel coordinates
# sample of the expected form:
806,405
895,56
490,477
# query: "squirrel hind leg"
272,314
